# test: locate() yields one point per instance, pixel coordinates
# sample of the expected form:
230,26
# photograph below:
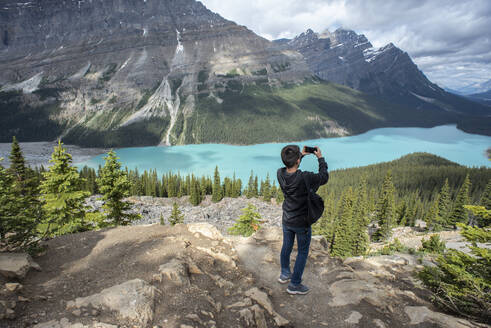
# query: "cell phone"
310,149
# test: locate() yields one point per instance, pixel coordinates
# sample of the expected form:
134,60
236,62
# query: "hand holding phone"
309,150
312,150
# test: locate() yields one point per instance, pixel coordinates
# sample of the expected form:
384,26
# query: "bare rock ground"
190,275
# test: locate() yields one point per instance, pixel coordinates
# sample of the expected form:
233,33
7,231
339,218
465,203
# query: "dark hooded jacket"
295,192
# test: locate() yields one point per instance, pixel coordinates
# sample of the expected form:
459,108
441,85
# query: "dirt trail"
202,279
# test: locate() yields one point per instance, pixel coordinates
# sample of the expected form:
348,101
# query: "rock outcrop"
194,276
132,300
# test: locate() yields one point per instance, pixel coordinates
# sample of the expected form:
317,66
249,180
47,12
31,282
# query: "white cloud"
440,35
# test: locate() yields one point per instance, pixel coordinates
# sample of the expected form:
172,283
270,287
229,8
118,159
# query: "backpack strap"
307,185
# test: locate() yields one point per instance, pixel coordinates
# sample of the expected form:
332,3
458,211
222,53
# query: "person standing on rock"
293,184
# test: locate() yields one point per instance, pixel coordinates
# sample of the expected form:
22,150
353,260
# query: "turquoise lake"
379,145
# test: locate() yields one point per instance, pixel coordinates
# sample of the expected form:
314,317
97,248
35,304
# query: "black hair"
290,154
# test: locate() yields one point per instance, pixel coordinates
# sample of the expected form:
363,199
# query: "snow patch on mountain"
427,99
371,53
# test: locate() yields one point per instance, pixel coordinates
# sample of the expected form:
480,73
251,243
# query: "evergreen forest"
362,205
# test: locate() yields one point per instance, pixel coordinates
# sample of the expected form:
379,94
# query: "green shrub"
433,245
248,223
176,216
395,246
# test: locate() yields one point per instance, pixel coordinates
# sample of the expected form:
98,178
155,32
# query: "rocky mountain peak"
342,35
348,58
327,39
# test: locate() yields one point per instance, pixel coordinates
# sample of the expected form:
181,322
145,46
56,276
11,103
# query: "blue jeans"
304,235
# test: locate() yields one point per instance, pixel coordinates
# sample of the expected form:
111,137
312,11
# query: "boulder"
365,286
262,299
218,256
420,314
174,271
132,300
268,234
354,318
205,229
244,303
259,316
387,260
16,265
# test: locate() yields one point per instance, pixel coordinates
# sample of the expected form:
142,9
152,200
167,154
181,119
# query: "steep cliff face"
145,72
115,65
350,59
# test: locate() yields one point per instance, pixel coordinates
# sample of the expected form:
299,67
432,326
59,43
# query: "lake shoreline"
39,153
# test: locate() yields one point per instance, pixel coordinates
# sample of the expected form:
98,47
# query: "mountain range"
130,73
474,88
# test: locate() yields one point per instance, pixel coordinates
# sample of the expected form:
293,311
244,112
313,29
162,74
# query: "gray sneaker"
283,279
299,289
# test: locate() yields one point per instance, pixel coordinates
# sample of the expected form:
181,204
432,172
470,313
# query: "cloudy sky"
450,40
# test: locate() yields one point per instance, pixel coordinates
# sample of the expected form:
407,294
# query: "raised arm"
318,179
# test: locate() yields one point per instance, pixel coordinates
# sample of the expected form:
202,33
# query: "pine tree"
12,219
227,187
181,189
161,219
462,282
62,195
237,187
361,220
385,209
202,187
444,202
274,190
217,193
280,197
255,190
250,186
25,213
342,240
459,213
486,196
325,225
433,219
176,216
248,223
114,186
26,182
401,211
266,189
6,200
172,187
195,197
188,185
